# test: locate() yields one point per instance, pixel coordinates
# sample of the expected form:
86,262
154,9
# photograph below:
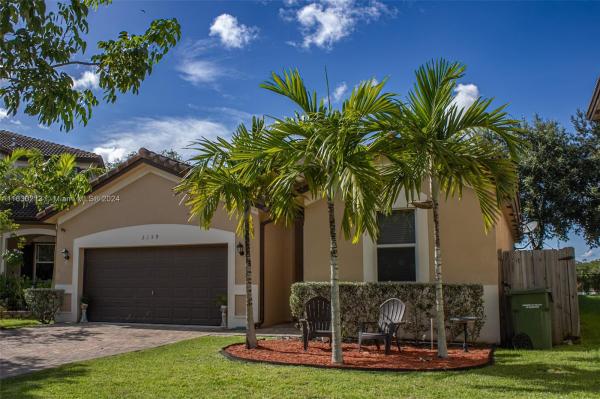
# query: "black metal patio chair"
391,313
317,320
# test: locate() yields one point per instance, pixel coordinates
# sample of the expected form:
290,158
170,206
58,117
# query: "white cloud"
87,80
157,134
43,127
465,95
587,255
199,71
326,22
4,116
231,33
339,91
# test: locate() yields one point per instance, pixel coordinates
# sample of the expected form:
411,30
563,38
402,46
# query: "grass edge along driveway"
6,324
194,368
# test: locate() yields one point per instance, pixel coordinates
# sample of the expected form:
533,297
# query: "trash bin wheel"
522,341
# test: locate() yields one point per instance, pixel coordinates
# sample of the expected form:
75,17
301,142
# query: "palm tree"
432,139
325,153
215,181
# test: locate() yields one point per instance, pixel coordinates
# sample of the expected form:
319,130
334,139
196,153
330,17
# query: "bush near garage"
12,297
360,302
44,303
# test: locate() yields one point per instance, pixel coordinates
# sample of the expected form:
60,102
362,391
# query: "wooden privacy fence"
551,269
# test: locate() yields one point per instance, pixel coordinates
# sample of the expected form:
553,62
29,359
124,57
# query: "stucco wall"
278,272
468,253
504,237
316,246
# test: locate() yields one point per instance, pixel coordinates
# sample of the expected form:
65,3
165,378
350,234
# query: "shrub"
11,291
44,303
588,277
360,302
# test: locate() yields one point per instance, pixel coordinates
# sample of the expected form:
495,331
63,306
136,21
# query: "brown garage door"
173,285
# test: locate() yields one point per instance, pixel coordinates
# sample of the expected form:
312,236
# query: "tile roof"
21,211
10,140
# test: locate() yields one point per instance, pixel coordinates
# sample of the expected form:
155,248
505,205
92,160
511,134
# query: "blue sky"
539,57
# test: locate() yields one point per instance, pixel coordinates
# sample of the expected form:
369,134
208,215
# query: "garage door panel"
177,285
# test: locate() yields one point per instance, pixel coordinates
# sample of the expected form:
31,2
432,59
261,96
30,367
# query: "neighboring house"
134,252
38,252
593,112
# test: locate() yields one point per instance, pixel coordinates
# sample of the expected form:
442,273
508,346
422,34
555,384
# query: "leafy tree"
55,181
588,276
430,139
215,181
325,151
170,153
37,45
559,180
9,183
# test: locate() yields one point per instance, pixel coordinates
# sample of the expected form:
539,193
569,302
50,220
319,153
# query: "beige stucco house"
132,249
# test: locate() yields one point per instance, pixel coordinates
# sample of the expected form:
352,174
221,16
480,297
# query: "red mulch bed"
411,358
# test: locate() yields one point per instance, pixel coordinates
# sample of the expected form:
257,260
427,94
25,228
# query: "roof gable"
143,156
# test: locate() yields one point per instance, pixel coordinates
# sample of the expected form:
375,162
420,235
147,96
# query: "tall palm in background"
215,181
324,152
431,139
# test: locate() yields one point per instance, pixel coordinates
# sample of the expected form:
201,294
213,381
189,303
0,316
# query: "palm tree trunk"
336,320
439,292
250,330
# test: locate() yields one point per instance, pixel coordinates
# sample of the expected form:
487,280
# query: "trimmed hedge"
360,302
11,290
44,303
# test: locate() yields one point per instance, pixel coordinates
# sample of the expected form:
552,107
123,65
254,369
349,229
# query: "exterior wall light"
65,253
240,249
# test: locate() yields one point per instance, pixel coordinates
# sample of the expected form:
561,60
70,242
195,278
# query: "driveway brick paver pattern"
25,350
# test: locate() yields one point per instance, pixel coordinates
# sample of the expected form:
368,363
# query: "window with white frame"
44,261
396,246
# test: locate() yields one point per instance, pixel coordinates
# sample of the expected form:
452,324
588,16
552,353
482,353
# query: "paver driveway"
25,350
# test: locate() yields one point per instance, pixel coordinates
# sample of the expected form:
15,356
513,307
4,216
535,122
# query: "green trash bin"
531,318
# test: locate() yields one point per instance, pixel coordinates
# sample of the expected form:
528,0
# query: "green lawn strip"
17,323
195,368
589,306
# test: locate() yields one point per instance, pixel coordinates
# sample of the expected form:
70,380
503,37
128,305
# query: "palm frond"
291,85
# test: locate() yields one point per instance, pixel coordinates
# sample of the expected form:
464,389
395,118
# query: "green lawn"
196,369
17,323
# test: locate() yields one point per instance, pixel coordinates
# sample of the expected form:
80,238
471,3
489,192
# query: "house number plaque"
149,237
